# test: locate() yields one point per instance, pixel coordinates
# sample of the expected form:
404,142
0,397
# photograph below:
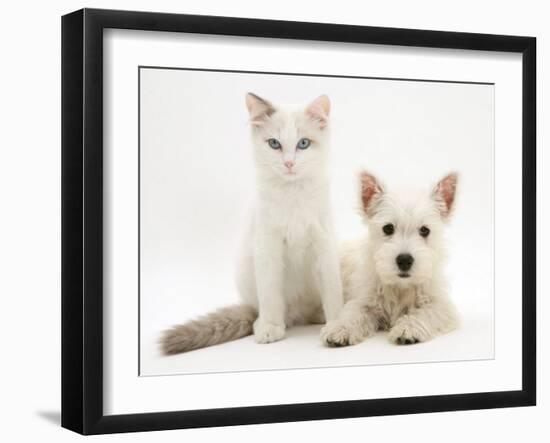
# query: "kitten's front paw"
267,332
336,333
408,331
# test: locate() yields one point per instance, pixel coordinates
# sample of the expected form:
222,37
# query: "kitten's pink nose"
289,164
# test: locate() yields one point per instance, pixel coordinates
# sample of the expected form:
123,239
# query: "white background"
30,179
197,184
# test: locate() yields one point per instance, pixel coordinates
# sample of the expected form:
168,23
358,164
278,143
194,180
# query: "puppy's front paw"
336,333
267,332
408,331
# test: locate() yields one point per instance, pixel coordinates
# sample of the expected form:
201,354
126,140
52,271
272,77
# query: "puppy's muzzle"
404,262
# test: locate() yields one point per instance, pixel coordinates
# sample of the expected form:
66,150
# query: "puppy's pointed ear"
319,110
371,193
258,108
444,194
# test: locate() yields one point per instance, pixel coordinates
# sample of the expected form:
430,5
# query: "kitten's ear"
444,194
371,192
319,110
258,108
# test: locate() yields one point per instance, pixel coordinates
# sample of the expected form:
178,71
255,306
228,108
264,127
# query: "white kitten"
288,272
393,279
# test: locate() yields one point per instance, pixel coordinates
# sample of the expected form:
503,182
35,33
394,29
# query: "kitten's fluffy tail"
220,326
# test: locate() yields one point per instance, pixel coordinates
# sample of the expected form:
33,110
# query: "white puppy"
393,278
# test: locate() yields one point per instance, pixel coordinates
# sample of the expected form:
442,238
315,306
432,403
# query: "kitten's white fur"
414,308
289,268
288,272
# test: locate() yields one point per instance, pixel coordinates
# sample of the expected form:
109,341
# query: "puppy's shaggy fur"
393,278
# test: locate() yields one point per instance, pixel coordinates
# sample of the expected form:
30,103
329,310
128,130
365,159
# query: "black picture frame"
82,220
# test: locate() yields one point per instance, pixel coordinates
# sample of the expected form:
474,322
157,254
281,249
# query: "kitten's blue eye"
274,143
303,143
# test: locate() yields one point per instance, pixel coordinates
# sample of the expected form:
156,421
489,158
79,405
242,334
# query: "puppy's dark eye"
424,231
388,229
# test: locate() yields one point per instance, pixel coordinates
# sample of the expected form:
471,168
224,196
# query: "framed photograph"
268,221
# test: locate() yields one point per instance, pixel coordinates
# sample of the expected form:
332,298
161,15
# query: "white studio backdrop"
197,185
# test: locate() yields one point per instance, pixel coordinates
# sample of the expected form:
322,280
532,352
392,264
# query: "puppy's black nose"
404,261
